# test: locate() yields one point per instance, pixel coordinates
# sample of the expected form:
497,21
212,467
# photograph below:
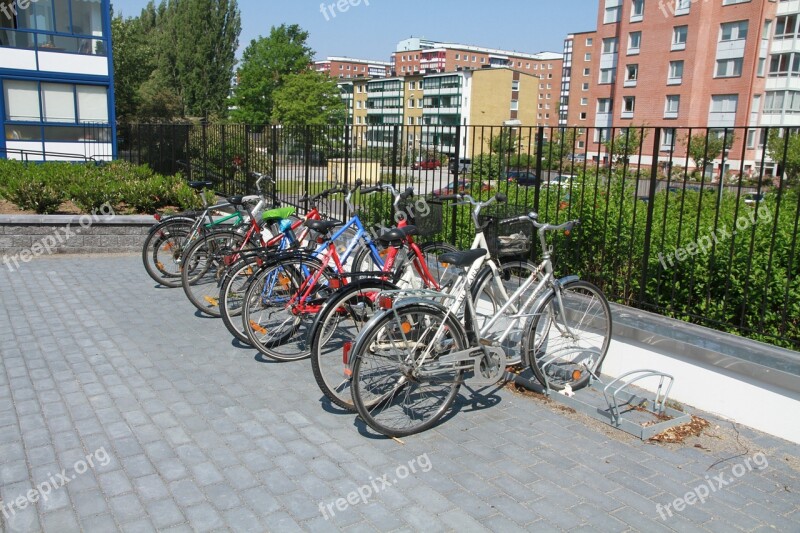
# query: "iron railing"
692,223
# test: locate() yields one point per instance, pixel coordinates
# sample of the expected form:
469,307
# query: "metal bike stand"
618,403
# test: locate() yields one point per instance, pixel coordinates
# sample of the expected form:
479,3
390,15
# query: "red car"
430,164
460,187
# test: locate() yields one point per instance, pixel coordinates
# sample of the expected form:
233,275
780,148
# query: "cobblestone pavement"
157,422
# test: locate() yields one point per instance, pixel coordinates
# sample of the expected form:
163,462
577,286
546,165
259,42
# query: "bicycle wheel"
568,337
490,294
163,248
339,323
231,293
204,265
281,303
400,386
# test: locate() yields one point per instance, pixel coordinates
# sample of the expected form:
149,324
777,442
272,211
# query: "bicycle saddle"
397,234
236,200
199,185
322,226
462,259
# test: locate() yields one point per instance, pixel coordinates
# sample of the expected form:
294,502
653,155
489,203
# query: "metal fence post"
539,170
651,206
395,146
307,156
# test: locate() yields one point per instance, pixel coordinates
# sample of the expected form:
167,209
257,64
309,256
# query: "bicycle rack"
619,402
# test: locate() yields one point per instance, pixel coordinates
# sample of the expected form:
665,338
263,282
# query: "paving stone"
203,437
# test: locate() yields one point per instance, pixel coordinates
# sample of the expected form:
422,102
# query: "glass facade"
56,81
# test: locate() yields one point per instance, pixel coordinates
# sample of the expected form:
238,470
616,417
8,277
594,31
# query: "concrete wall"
72,234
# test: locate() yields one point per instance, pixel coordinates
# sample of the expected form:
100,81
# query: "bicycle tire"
203,267
163,248
276,324
568,348
488,302
384,390
339,322
232,291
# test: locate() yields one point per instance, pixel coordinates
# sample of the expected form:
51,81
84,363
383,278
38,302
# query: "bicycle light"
385,302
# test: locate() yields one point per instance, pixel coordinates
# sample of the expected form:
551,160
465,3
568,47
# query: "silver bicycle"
409,362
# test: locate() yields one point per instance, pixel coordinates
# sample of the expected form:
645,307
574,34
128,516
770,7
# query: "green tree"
135,59
505,143
626,143
560,146
778,146
198,41
309,98
705,148
266,62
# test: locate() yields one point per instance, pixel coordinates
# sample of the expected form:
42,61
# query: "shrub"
33,188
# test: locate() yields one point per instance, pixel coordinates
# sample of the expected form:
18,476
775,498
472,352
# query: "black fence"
698,224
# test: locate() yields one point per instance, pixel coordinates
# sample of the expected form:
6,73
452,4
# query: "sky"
372,28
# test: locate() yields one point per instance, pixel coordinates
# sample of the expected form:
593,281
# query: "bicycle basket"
427,217
507,240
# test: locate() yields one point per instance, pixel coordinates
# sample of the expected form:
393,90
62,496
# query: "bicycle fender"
568,279
158,225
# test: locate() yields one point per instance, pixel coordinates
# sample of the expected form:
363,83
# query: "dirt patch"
67,208
718,438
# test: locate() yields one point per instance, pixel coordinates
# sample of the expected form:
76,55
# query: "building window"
610,45
585,87
607,75
586,57
667,139
779,102
514,105
589,41
675,76
786,26
584,101
634,42
631,75
682,7
637,10
515,85
612,15
604,106
412,85
672,106
783,65
679,36
729,68
586,71
458,56
724,104
731,2
733,31
628,106
410,103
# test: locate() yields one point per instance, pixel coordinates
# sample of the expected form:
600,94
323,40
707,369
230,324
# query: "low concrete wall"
21,234
739,379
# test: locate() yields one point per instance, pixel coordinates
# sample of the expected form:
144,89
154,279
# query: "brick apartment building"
678,64
422,56
348,67
430,107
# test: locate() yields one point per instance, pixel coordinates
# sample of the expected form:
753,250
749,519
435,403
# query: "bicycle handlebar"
533,219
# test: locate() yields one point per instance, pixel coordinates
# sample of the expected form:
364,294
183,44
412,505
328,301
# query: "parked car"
559,181
458,187
752,198
521,177
463,166
428,164
577,158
